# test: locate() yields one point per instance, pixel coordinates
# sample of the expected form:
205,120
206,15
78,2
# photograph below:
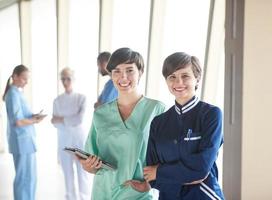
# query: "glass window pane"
131,27
10,57
83,46
44,88
185,30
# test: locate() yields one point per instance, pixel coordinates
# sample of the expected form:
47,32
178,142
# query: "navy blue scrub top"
184,141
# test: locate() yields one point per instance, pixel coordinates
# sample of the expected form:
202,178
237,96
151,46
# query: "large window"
10,57
83,46
9,51
130,27
183,26
44,90
185,29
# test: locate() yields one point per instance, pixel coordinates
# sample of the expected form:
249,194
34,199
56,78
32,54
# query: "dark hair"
103,57
180,60
18,70
125,56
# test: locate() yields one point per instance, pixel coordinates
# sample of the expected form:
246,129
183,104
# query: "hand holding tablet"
84,155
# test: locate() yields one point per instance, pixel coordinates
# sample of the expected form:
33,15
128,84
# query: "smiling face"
125,78
182,84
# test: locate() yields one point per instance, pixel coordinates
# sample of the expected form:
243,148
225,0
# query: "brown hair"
16,71
180,60
125,56
103,57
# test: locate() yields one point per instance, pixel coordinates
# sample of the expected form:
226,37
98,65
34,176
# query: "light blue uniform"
109,93
22,146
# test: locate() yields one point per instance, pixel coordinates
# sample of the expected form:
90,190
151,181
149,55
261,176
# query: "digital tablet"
40,114
84,155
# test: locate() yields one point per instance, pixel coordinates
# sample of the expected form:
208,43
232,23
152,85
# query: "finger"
92,159
99,164
88,163
146,174
94,164
127,183
78,158
146,179
146,168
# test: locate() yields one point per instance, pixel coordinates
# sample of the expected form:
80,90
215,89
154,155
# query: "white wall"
257,101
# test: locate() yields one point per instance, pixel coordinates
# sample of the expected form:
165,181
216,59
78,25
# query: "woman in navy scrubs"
185,140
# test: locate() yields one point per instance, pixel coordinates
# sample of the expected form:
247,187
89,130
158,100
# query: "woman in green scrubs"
120,130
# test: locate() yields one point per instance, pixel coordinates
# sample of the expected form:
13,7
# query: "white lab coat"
71,133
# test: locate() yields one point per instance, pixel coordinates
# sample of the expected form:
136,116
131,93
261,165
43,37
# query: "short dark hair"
103,57
125,56
180,60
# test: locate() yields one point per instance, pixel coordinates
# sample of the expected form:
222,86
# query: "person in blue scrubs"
185,140
109,92
21,135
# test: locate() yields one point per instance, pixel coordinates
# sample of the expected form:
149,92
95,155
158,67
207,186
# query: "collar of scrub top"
16,88
186,107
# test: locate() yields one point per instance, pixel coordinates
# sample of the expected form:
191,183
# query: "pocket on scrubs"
192,142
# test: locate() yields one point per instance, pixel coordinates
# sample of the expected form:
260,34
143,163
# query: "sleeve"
14,107
151,154
91,144
102,98
55,112
109,93
196,166
162,108
77,118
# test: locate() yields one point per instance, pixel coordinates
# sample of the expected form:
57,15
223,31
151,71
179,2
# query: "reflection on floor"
50,179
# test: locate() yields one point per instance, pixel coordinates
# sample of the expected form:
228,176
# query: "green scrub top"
123,144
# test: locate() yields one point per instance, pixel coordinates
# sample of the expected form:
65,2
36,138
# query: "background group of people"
173,151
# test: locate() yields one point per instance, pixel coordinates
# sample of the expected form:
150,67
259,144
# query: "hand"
35,115
38,118
97,104
140,186
92,164
57,119
150,173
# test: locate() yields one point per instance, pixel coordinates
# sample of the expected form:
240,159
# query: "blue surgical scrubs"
109,93
22,146
184,141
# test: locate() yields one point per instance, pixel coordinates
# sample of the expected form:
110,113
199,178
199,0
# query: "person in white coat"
68,112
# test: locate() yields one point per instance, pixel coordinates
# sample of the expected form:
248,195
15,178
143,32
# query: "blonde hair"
67,71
